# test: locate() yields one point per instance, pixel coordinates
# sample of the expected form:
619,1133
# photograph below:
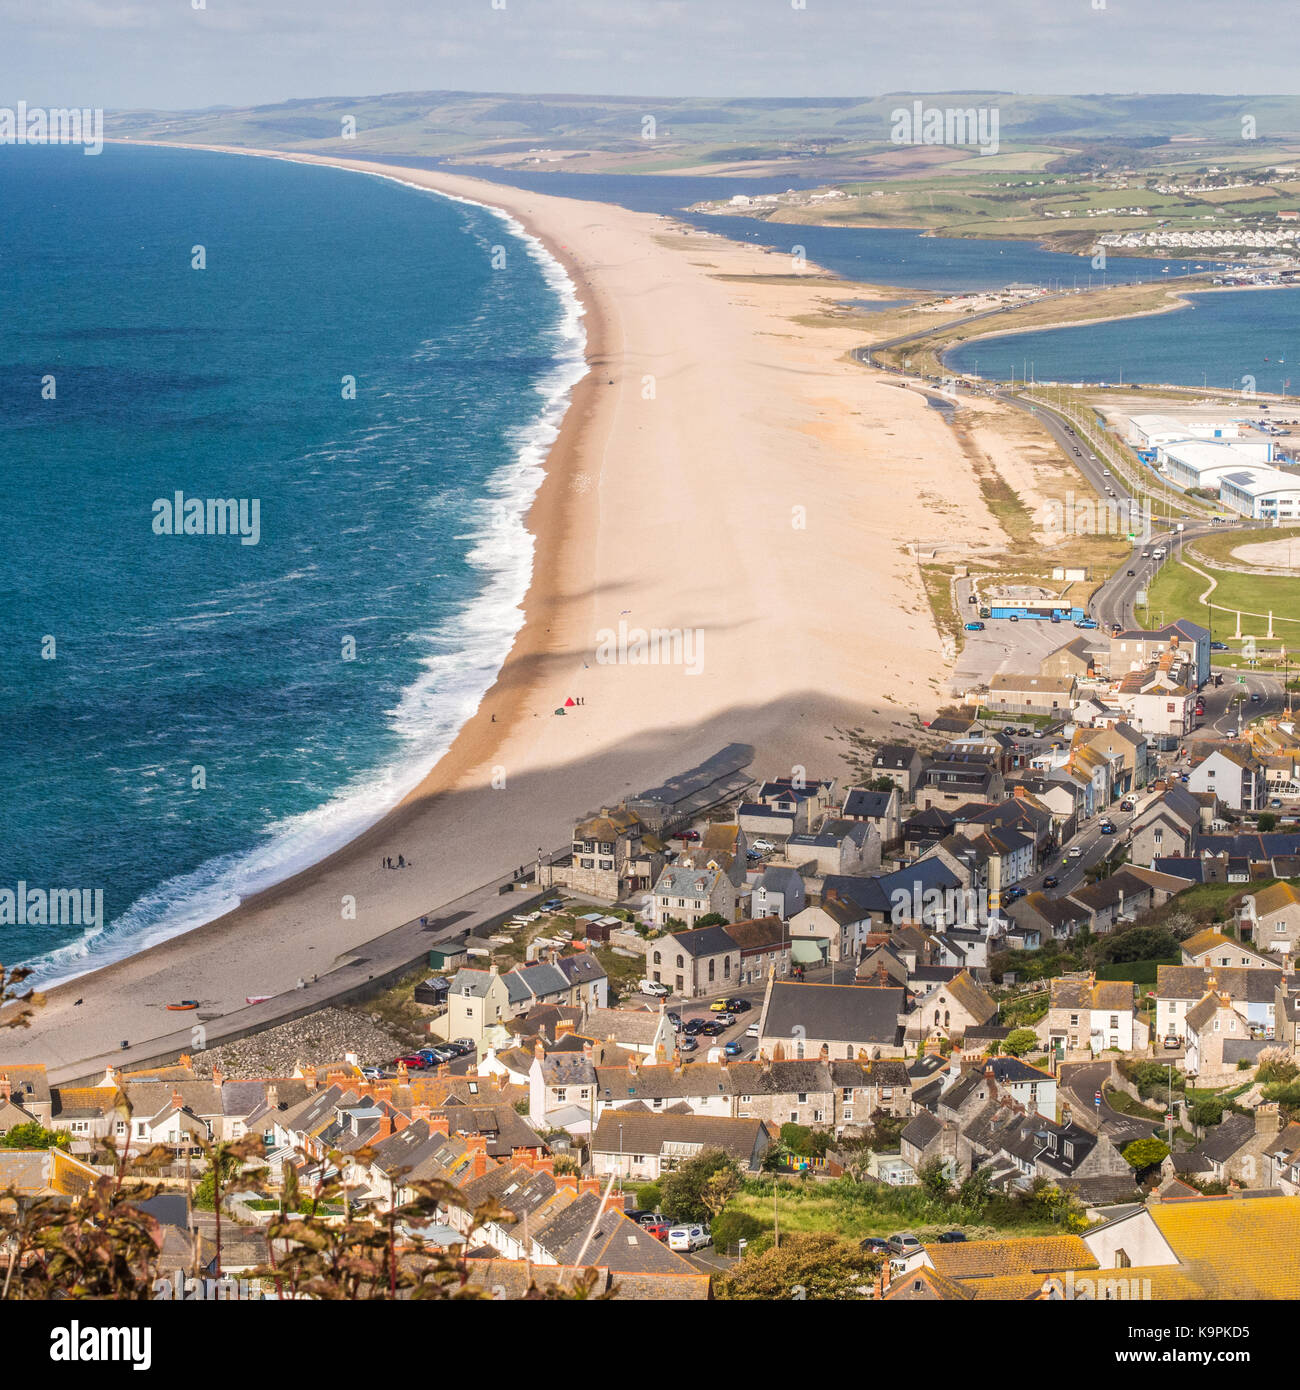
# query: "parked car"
713,1028
552,904
436,1056
660,991
467,1043
752,1030
372,1073
658,1229
904,1244
693,1026
1173,1041
733,1048
1013,894
412,1062
675,1022
1051,881
764,846
874,1245
1024,733
739,1006
686,1043
1276,802
1126,805
724,1020
952,1238
720,1006
975,627
1085,622
689,837
1218,646
688,1238
642,1217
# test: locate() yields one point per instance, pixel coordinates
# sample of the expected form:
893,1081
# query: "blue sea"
1232,339
185,718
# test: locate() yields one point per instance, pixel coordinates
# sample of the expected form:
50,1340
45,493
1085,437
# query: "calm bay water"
1227,338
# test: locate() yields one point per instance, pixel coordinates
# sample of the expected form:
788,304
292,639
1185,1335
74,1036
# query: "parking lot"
1004,645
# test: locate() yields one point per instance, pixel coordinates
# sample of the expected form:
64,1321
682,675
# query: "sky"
187,54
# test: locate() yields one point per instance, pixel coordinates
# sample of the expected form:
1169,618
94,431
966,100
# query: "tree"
1267,822
711,919
803,1267
1146,1153
1019,1041
689,1193
34,1135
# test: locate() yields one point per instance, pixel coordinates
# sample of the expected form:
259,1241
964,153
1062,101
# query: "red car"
690,836
658,1229
411,1063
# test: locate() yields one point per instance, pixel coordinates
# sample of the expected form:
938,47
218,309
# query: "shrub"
730,1227
1019,1041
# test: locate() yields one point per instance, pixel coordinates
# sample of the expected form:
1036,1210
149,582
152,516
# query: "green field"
1177,591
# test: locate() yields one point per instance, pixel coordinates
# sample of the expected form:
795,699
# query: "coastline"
770,430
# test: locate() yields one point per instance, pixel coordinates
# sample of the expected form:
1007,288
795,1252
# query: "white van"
688,1238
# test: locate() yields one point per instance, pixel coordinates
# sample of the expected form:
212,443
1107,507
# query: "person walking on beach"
401,863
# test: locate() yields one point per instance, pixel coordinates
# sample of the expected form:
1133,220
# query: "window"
588,863
658,958
802,1097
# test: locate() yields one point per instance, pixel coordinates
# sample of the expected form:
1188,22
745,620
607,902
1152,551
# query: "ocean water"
179,720
1228,338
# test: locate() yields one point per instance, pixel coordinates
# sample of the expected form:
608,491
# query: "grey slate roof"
858,1014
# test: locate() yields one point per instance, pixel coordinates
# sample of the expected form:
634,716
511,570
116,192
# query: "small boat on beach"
185,1004
256,998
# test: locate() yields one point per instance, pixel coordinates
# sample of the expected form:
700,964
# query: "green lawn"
856,1209
1177,590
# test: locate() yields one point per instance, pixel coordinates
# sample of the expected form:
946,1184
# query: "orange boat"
184,1004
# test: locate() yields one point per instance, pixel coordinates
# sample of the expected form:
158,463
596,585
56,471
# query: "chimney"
384,1090
586,1051
439,1124
421,1112
563,1028
500,1080
218,1076
400,1120
567,1182
1065,1116
631,1063
6,1088
614,1202
586,1185
522,1158
309,1076
178,1100
385,1127
825,1053
476,1147
1268,1118
538,1050
544,1165
272,1095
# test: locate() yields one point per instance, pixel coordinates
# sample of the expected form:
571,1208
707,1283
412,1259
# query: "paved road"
1081,1081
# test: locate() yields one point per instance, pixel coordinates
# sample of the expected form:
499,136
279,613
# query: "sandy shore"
725,469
